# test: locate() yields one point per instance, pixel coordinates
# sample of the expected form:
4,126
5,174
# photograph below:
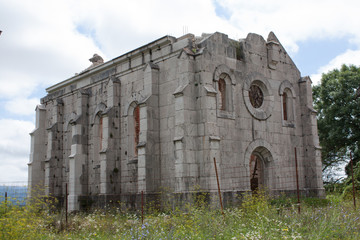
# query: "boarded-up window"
137,127
285,106
222,91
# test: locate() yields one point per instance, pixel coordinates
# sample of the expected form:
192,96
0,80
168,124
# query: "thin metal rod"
5,201
142,207
66,204
353,182
219,191
297,182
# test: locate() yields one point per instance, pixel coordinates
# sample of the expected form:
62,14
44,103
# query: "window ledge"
225,114
288,124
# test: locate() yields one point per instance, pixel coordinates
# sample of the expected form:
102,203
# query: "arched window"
222,91
137,128
288,100
223,85
285,106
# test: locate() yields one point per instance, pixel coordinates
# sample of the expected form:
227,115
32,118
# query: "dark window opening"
285,106
222,90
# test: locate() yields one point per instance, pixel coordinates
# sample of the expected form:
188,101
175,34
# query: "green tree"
337,100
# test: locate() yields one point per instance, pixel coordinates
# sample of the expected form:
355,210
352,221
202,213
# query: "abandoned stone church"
156,117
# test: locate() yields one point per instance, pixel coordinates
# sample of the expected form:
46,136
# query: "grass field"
257,218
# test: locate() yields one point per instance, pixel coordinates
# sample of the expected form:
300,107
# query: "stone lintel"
178,139
84,91
214,138
51,127
141,145
40,107
133,161
272,43
106,111
312,110
142,102
305,79
115,79
180,91
152,66
210,91
103,151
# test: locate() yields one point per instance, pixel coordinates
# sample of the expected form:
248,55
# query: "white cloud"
22,106
120,27
39,46
14,149
294,21
350,57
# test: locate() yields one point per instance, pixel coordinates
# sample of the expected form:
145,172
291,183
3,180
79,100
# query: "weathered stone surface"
87,135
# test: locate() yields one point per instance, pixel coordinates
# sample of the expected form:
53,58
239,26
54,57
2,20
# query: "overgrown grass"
259,217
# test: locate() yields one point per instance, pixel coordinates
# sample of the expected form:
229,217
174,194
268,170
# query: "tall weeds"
258,217
31,221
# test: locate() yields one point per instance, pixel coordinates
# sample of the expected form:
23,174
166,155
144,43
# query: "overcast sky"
44,42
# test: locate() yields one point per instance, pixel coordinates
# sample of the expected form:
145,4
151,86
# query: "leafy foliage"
258,217
31,221
337,100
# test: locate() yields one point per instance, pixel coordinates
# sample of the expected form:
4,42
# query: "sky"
44,42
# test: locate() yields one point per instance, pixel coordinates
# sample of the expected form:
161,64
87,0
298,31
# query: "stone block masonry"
156,117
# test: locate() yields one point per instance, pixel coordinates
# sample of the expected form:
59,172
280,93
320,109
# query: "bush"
24,222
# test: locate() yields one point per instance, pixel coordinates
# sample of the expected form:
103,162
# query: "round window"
256,96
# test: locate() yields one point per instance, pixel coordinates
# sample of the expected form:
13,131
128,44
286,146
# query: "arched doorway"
256,172
260,157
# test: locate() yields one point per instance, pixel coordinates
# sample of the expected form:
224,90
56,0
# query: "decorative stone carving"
96,60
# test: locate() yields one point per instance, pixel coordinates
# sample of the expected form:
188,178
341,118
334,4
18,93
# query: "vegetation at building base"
259,217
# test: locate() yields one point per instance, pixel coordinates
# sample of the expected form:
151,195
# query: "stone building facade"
156,117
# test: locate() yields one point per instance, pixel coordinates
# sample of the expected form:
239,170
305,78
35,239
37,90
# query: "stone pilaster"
149,140
179,140
36,166
78,157
109,160
211,139
311,150
54,159
186,134
104,152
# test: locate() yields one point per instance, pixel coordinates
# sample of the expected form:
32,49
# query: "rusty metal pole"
353,182
219,191
142,207
66,204
297,182
5,201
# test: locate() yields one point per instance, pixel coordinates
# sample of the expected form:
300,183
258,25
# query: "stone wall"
154,119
